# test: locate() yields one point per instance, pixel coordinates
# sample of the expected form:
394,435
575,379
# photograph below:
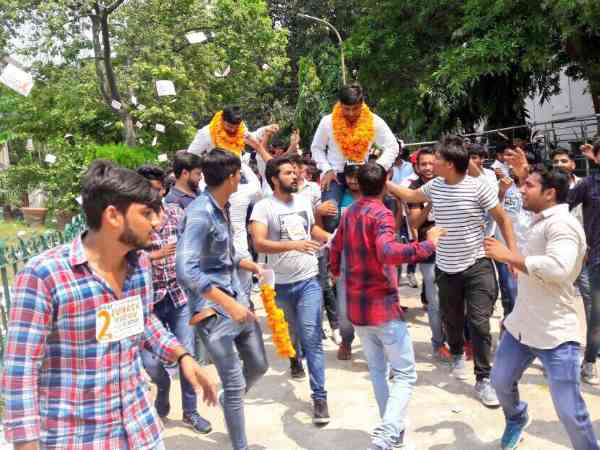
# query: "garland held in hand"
277,323
353,140
221,139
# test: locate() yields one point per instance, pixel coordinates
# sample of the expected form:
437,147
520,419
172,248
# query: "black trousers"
475,291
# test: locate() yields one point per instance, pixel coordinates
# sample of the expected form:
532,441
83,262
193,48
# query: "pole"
339,37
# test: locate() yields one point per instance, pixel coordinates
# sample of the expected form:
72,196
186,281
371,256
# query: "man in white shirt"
546,320
348,134
499,166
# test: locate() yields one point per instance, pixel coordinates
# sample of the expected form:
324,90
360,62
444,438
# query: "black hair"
152,173
105,184
424,151
232,115
273,166
596,146
557,179
351,169
478,150
185,160
371,179
562,151
218,165
278,141
351,94
450,147
297,160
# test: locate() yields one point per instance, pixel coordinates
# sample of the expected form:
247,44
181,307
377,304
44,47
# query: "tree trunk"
129,132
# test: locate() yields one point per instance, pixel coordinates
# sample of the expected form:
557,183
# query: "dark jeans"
508,288
334,194
476,288
238,352
329,300
402,236
177,321
592,311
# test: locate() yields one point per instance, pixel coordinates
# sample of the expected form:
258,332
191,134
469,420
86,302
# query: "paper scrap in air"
160,128
223,73
163,157
50,158
17,79
196,37
165,87
116,105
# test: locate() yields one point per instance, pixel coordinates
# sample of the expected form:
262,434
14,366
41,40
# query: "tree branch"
98,58
111,8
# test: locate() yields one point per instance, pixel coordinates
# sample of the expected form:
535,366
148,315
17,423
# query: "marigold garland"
222,139
353,140
277,323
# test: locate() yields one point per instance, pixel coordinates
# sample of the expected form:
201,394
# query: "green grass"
10,231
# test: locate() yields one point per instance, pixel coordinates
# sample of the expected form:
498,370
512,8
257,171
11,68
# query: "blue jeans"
334,194
230,344
177,320
346,327
562,368
589,286
383,344
433,304
301,303
508,287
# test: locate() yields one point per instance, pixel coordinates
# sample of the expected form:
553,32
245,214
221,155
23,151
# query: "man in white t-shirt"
283,227
465,276
330,154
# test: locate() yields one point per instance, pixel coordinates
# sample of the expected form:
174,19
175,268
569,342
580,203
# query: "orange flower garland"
277,323
354,139
224,140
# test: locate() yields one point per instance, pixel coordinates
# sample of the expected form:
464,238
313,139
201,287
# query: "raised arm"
405,194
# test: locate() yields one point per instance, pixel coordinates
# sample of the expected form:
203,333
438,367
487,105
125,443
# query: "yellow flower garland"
224,140
354,139
277,323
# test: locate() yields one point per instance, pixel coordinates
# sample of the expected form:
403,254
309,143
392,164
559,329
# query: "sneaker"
161,403
468,350
486,393
412,281
397,443
335,336
442,354
589,374
321,412
198,423
344,352
513,435
297,369
458,367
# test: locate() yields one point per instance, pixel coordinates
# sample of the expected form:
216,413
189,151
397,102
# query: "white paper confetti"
29,145
79,200
160,127
16,79
68,136
139,125
457,409
223,73
163,157
50,158
165,87
107,124
116,105
265,66
178,123
196,37
134,100
21,234
154,141
141,107
140,140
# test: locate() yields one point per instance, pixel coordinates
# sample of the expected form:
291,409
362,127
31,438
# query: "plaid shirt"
587,193
60,385
367,238
164,278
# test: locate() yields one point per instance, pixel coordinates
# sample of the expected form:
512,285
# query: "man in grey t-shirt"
283,227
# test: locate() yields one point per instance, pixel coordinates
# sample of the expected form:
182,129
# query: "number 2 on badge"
103,315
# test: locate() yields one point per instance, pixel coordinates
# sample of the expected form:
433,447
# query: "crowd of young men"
158,271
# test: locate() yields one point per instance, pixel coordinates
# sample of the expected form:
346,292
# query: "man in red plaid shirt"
366,236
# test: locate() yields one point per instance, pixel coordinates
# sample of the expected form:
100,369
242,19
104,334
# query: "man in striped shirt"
464,275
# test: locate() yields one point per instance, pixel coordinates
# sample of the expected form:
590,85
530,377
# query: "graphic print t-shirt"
288,222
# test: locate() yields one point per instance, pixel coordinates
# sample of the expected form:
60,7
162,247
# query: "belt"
201,315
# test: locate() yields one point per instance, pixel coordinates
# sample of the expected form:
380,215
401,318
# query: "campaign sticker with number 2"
120,319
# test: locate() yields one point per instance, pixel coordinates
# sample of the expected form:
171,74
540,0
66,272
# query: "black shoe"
296,369
321,412
198,423
161,404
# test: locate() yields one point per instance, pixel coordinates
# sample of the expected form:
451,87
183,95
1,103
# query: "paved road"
443,412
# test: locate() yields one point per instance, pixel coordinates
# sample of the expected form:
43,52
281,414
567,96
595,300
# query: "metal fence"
15,255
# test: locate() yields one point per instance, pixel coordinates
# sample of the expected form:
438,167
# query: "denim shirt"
205,254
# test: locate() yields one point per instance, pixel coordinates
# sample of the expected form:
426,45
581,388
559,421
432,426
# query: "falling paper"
108,124
133,100
50,158
79,200
21,234
224,73
141,107
154,141
17,79
68,136
178,123
165,87
116,105
141,141
265,66
196,37
29,145
163,157
159,127
139,124
457,409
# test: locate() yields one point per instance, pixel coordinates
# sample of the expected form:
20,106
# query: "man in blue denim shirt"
207,270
